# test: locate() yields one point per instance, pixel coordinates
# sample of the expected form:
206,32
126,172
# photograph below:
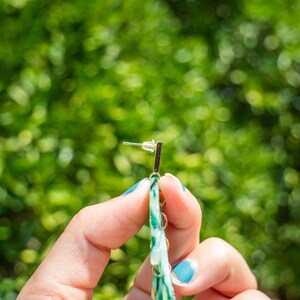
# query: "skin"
74,265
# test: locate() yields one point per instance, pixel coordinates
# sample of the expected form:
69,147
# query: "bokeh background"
217,81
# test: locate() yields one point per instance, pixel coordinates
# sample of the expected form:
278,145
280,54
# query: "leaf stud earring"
162,287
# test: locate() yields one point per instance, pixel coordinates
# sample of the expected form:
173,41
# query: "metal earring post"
150,146
157,157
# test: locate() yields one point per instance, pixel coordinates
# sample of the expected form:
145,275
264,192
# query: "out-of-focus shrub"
218,83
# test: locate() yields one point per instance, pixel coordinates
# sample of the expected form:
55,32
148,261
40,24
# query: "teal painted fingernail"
130,190
184,271
183,187
181,184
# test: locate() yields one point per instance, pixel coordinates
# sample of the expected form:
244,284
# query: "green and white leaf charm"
162,287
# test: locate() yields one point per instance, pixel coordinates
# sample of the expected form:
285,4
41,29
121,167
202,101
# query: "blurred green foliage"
217,82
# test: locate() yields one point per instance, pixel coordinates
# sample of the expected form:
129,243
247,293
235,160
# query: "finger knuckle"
80,218
222,252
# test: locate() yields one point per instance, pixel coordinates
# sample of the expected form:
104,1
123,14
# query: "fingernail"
130,190
181,184
184,271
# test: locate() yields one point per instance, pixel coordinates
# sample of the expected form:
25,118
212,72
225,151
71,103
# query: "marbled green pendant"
162,287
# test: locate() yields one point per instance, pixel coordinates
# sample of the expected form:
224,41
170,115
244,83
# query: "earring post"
156,165
150,146
133,144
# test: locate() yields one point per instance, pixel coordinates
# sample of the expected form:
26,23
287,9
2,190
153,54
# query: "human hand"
211,270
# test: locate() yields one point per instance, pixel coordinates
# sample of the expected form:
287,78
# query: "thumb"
76,262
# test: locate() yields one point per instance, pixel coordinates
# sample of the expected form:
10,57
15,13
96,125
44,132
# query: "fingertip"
171,181
137,195
137,186
182,208
176,179
136,198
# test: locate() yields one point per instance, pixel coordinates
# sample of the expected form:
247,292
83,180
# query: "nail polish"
131,189
184,271
181,184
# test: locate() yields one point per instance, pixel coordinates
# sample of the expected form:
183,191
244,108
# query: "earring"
162,287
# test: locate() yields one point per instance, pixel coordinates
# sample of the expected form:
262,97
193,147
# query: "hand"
211,270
